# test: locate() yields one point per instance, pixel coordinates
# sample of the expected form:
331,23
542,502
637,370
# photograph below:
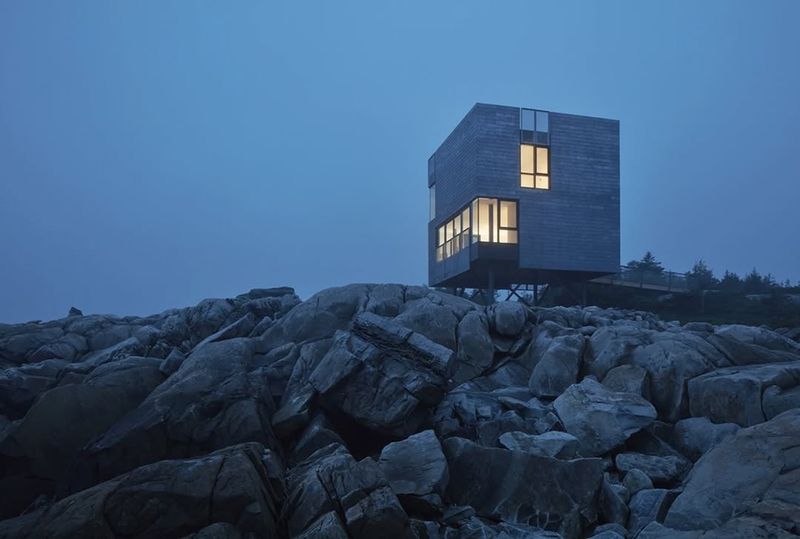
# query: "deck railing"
669,281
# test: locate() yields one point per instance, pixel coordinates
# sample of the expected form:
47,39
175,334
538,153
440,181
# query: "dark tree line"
701,277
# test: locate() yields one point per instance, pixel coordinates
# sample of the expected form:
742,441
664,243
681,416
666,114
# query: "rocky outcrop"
520,487
753,476
396,411
599,418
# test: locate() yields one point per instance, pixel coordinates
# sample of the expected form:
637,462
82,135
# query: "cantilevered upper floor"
523,196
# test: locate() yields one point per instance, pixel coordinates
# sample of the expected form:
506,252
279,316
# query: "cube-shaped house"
524,196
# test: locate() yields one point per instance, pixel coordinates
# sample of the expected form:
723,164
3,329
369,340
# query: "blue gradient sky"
155,153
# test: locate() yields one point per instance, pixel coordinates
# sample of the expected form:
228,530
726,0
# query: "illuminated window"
534,166
483,220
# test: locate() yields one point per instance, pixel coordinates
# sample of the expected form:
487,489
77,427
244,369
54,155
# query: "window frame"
446,247
535,172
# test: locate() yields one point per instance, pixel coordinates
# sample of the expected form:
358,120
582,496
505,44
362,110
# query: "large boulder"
694,436
332,481
241,485
648,505
754,474
599,418
671,360
735,394
660,469
555,443
416,470
558,367
519,487
404,371
215,399
509,318
434,321
759,336
628,379
475,348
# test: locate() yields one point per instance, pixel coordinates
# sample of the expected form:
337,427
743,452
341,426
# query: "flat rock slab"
599,418
753,474
735,394
523,488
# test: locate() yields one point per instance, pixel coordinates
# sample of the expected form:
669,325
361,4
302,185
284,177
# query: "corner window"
483,220
534,166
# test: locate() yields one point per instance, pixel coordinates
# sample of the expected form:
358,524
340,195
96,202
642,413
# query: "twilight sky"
155,153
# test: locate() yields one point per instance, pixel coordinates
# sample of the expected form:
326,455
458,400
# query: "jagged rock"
671,360
636,480
74,312
172,362
318,317
66,418
648,505
293,415
628,379
168,498
759,336
475,348
613,499
523,488
734,394
776,400
509,318
416,470
660,469
694,436
20,386
488,432
211,402
366,368
558,367
405,371
599,418
611,346
332,480
754,474
317,434
436,322
550,444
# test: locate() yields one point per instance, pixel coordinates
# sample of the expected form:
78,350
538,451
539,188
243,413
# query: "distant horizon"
154,156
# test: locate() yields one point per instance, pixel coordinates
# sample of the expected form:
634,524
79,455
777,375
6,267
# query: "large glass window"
483,220
432,197
534,166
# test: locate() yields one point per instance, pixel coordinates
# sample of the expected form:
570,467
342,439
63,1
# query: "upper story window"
534,166
484,220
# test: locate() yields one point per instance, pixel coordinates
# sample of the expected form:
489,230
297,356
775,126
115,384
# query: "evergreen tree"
701,277
730,282
647,263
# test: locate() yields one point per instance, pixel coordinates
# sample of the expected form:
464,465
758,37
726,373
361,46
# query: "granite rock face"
599,418
396,411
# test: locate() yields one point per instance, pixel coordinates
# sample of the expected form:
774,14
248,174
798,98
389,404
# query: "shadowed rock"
523,488
599,418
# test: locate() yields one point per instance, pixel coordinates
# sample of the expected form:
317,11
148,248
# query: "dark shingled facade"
569,231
